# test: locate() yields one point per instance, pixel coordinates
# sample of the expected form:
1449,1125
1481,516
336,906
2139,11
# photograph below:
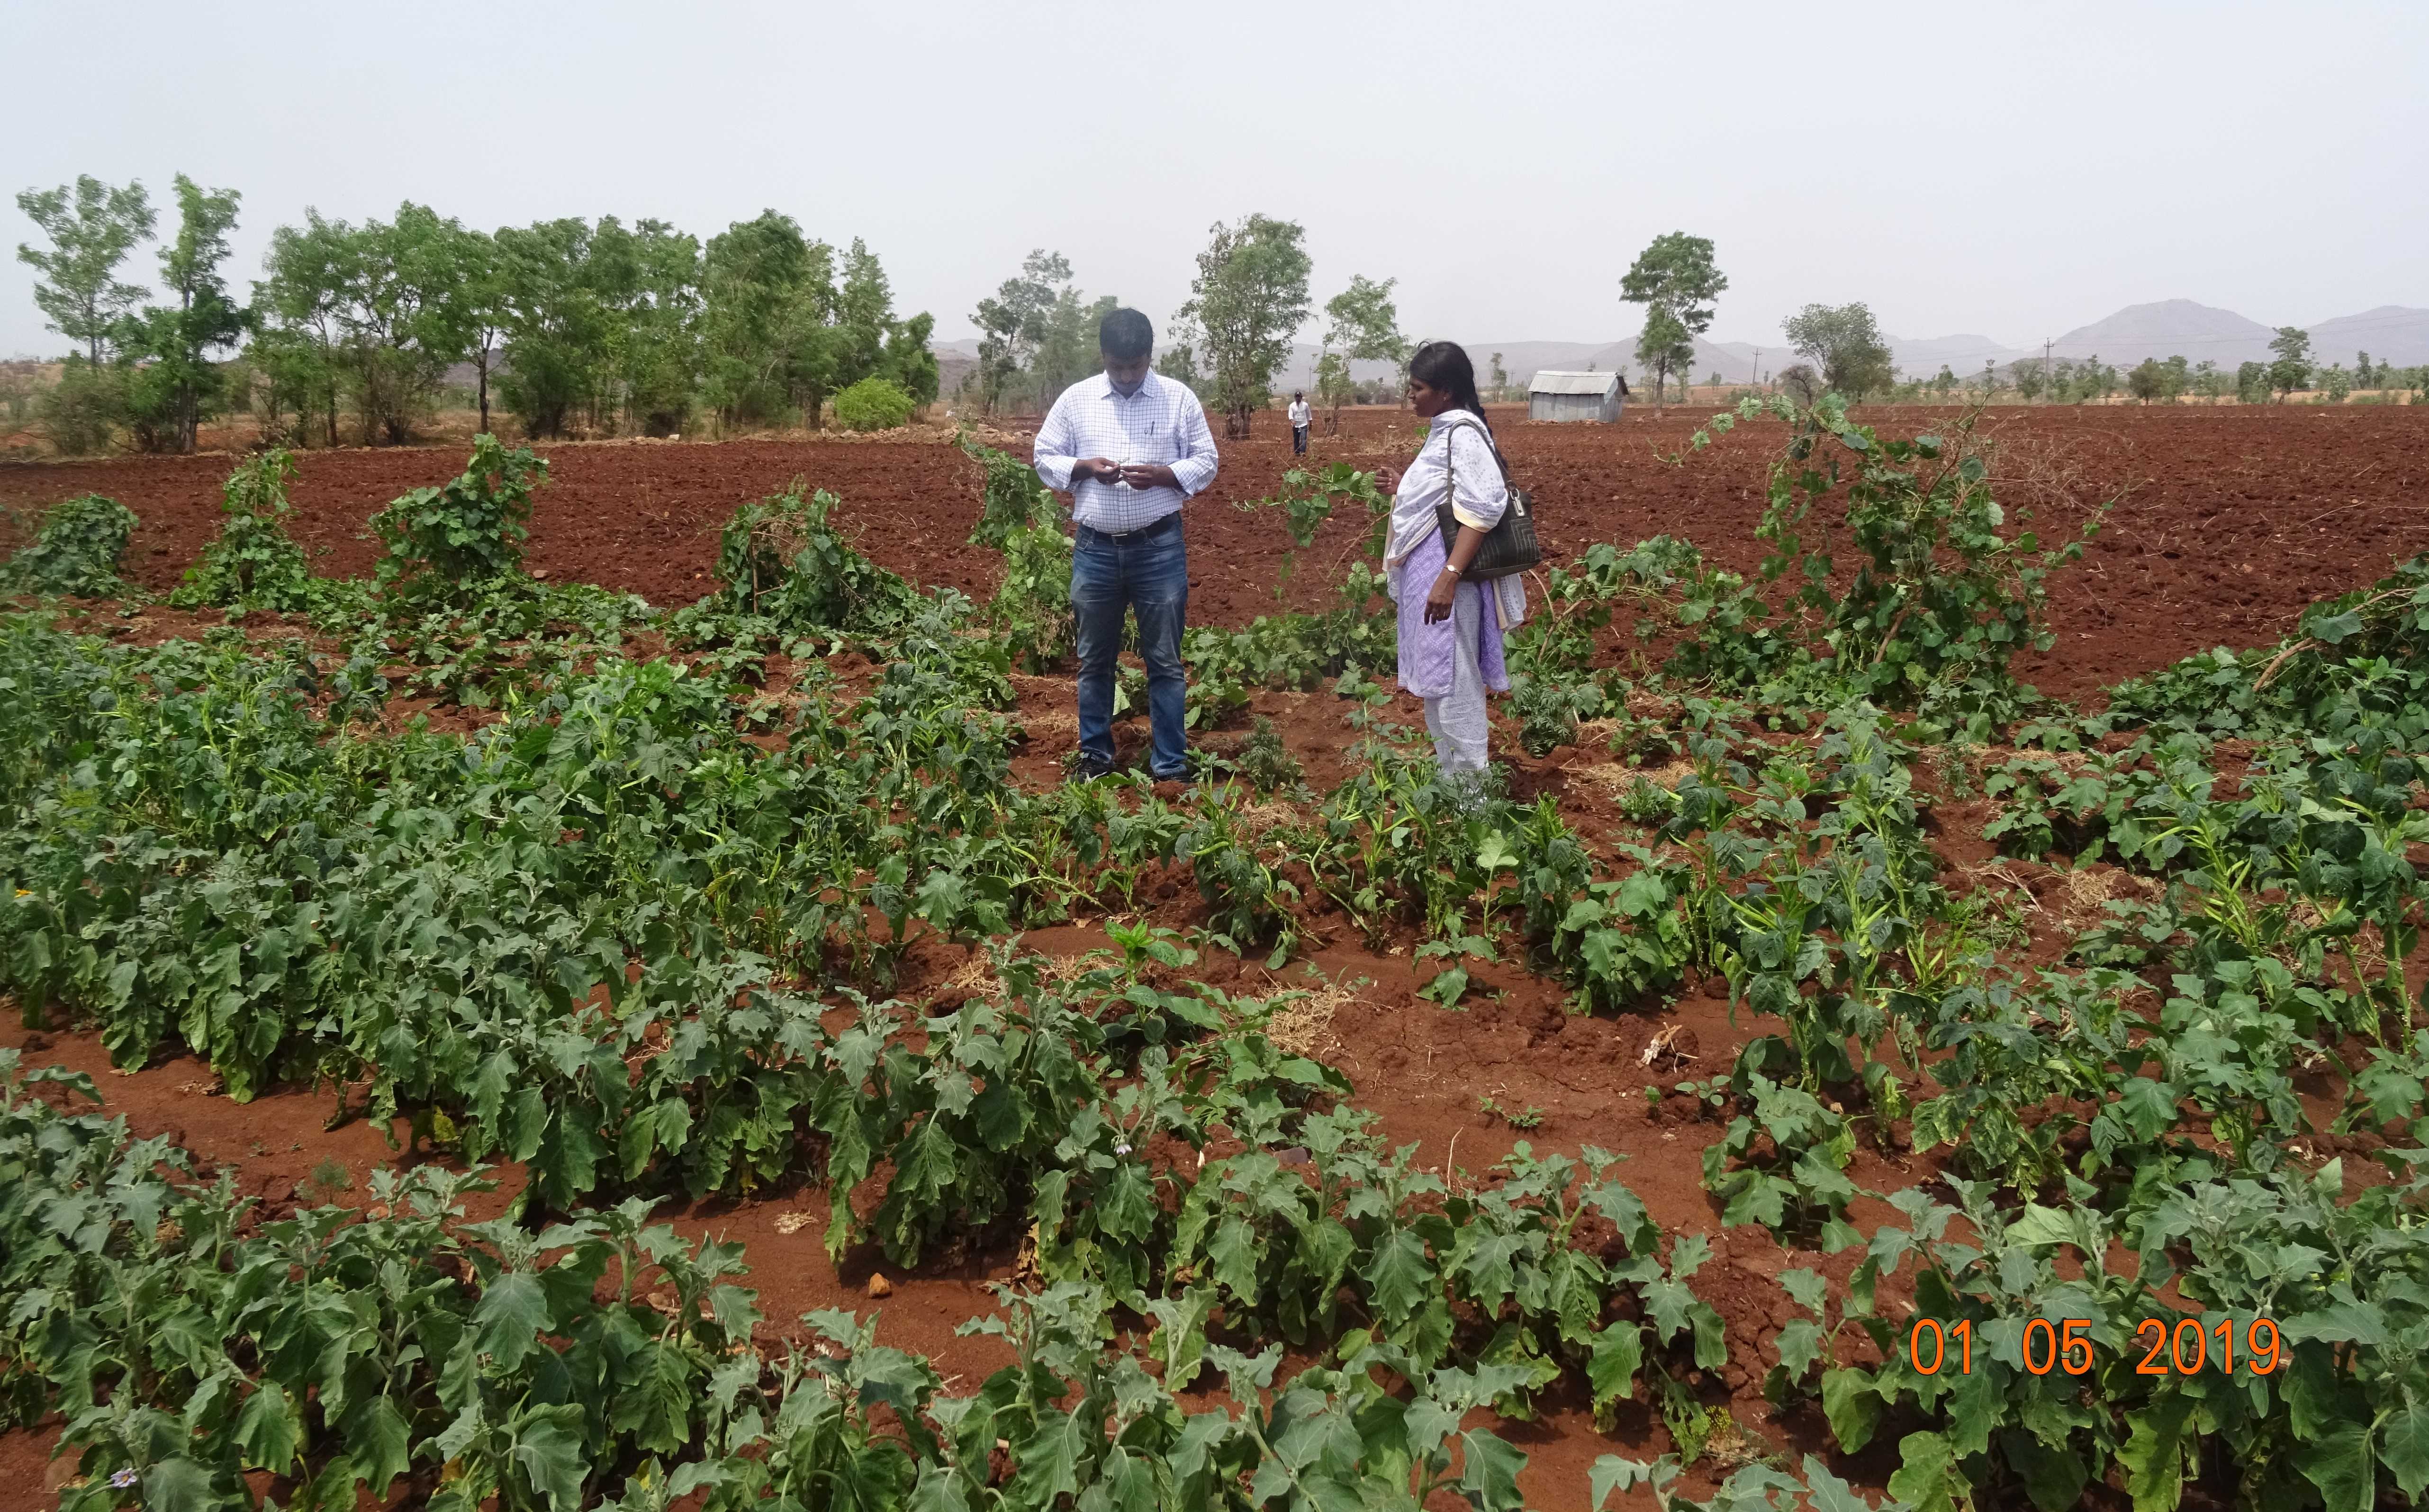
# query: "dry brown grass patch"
1617,777
1304,1025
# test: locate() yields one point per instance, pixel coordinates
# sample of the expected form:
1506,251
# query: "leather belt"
1155,527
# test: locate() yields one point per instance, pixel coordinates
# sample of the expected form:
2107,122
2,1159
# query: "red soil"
2228,520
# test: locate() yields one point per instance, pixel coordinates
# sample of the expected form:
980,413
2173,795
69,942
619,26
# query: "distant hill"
2170,328
2391,332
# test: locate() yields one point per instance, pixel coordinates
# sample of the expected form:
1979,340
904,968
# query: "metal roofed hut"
1574,396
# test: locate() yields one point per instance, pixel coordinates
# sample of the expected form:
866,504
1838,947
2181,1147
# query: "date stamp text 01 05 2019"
2190,1346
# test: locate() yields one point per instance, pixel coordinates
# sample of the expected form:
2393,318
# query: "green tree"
2208,381
2148,381
2028,379
1365,327
1248,299
1067,346
1013,323
768,299
1845,341
554,327
1178,361
1662,347
92,227
644,285
299,332
2364,376
2251,382
2339,383
176,382
484,311
2292,368
909,362
1675,280
386,305
1500,379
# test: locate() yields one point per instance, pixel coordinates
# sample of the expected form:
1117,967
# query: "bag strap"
1450,476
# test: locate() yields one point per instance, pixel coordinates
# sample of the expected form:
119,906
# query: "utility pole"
1754,368
2045,364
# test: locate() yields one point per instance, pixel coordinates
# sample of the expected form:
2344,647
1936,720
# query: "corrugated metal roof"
1572,383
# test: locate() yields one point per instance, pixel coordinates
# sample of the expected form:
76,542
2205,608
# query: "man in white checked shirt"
1129,448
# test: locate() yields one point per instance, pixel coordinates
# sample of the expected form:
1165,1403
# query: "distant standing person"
1129,448
1450,629
1300,415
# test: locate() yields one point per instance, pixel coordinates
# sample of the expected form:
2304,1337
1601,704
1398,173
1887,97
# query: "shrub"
873,404
79,550
1549,709
1032,610
449,539
253,561
1014,499
1267,763
82,412
779,558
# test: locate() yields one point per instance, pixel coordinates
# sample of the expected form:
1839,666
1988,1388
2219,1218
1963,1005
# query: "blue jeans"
1149,577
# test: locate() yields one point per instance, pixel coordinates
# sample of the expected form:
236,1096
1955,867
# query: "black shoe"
1084,770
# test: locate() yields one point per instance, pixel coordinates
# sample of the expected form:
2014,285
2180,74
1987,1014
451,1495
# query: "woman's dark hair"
1443,365
1125,336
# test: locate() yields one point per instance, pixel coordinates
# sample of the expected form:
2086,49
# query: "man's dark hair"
1125,336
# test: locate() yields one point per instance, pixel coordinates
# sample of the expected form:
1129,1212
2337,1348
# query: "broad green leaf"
546,1446
2054,1478
2405,1447
2340,1465
2154,1453
510,1316
1927,1478
1852,1405
1618,1354
268,1429
1490,1476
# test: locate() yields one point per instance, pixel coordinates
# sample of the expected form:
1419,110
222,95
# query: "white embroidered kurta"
1482,498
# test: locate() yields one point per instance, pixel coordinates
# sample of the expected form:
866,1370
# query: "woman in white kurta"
1450,629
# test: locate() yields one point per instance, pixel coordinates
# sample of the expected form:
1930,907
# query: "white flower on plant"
1121,1149
124,1478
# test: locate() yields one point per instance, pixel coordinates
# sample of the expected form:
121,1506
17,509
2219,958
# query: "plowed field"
2228,520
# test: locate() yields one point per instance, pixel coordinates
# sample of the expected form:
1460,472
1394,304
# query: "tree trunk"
1236,423
485,388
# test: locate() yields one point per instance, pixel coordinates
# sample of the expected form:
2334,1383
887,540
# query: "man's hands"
1387,479
1138,475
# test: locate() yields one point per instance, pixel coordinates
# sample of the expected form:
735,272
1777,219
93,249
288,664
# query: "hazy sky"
2010,169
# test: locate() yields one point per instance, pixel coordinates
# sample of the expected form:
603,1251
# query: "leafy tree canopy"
1248,299
92,227
1844,342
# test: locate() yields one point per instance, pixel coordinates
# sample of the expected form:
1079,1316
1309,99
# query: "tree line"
569,325
1037,332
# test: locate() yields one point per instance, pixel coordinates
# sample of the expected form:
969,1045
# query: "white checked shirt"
1162,422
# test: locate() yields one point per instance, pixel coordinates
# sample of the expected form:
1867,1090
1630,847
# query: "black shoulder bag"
1510,546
